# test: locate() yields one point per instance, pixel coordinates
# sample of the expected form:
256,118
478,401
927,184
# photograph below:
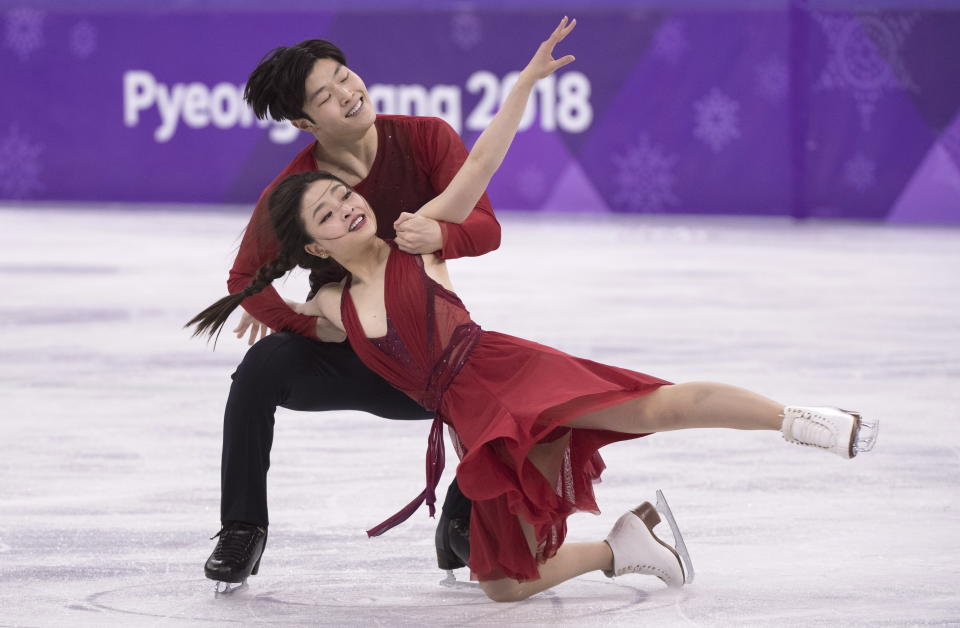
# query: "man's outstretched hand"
256,328
323,329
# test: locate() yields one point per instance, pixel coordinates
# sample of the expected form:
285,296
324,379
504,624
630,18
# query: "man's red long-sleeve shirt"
416,159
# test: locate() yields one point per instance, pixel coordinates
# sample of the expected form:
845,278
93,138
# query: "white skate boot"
842,432
636,549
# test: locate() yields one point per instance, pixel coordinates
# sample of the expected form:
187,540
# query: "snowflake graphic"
466,30
645,178
24,32
670,41
83,39
772,79
950,140
19,165
531,182
860,172
717,119
866,57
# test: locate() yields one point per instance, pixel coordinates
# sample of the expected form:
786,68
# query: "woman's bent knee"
505,590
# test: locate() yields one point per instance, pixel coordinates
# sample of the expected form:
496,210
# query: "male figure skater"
397,163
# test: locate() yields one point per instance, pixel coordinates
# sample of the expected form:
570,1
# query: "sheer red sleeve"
480,232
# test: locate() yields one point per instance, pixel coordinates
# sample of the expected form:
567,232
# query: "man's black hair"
277,86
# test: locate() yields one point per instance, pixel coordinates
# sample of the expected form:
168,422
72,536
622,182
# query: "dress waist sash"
444,372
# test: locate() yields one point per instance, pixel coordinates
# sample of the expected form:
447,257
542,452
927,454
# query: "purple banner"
793,111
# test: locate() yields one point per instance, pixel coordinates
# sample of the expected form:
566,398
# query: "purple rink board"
794,110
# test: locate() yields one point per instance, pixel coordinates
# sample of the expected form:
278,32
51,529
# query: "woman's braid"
267,274
211,320
286,225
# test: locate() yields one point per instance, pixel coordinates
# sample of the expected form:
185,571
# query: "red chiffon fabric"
503,397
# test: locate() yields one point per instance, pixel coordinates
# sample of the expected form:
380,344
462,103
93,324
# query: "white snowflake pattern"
670,41
950,140
83,39
860,172
717,119
466,29
866,57
645,178
19,165
24,31
772,79
531,182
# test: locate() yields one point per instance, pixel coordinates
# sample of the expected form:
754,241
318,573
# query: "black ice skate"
453,546
236,556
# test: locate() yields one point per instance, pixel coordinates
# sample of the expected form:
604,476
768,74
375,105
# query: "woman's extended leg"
685,406
706,404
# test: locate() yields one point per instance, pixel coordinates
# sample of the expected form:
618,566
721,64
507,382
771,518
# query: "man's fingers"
253,334
406,245
559,63
404,217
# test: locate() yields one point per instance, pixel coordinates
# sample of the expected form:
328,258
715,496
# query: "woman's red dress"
501,396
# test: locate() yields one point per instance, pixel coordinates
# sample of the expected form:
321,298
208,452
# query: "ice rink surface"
110,425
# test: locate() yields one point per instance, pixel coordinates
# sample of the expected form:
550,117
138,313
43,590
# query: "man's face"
337,100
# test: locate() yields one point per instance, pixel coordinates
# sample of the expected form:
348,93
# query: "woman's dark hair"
291,235
277,86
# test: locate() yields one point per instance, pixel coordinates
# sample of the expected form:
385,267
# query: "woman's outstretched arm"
456,202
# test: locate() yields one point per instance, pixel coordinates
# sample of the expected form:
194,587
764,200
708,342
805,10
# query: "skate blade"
664,509
866,433
451,582
225,589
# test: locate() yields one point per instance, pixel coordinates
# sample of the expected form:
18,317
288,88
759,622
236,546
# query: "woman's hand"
543,64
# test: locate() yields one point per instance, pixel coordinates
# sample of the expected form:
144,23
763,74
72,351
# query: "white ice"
110,426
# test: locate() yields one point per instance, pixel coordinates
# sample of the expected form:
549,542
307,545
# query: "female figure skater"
529,420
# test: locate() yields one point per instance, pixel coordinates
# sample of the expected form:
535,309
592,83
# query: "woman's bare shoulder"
329,297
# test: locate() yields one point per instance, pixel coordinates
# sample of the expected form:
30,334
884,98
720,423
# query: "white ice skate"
842,432
637,549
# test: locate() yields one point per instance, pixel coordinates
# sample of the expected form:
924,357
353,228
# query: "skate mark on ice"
336,597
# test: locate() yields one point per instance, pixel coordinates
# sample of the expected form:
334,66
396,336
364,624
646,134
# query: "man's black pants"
292,371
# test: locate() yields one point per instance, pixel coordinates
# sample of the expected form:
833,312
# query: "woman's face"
336,218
